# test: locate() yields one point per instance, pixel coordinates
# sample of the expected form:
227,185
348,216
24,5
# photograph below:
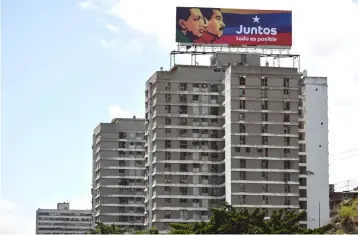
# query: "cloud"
324,34
88,5
112,28
131,47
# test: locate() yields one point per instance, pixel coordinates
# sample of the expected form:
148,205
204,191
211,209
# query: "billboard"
234,27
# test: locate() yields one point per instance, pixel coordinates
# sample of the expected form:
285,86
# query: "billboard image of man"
190,24
214,25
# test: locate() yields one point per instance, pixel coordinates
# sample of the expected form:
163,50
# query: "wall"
316,129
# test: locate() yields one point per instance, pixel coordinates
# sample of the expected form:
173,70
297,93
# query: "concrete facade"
118,173
261,137
315,106
63,220
233,131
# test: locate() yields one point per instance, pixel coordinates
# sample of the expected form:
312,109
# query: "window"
266,152
286,117
264,164
183,191
183,200
168,144
242,128
168,121
242,104
183,144
182,155
167,167
237,149
168,97
242,80
167,130
265,188
286,105
214,98
264,175
167,155
264,105
183,168
286,129
195,97
287,164
242,163
214,88
286,152
183,109
286,177
264,93
287,140
248,150
182,121
214,111
242,199
286,82
263,81
214,120
264,117
168,86
242,91
167,189
265,140
183,98
265,200
196,85
264,128
286,91
182,132
183,86
242,139
242,116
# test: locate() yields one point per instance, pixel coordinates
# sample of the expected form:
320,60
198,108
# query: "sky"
69,65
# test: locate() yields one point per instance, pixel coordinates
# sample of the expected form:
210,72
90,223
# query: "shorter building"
63,220
335,198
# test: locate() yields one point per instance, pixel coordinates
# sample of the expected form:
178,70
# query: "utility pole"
347,185
319,214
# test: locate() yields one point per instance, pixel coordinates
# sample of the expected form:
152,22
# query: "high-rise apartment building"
118,173
63,220
233,131
184,142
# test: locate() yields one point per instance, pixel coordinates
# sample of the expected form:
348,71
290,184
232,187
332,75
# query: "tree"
106,229
355,189
228,220
152,230
347,219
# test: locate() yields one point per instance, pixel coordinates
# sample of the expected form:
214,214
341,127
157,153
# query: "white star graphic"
256,19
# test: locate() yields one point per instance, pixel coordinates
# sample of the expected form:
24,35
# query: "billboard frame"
274,54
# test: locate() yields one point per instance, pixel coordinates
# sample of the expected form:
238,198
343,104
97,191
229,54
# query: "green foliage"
106,229
348,209
152,230
228,220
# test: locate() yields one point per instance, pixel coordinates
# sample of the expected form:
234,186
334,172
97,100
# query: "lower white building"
63,220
